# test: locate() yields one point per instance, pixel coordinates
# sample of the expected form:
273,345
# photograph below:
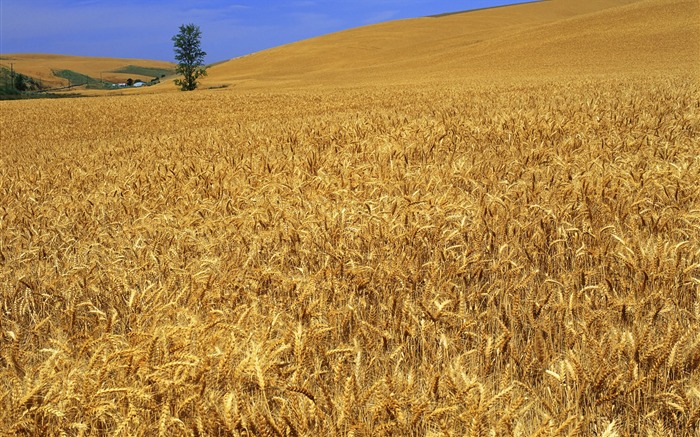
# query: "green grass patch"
76,78
144,71
37,95
9,94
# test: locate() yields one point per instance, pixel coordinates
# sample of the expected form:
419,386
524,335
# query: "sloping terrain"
43,66
548,38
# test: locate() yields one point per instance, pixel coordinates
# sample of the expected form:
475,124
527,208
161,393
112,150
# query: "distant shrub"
21,83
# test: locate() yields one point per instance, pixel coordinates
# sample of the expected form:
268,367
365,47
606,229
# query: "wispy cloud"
304,4
313,21
381,16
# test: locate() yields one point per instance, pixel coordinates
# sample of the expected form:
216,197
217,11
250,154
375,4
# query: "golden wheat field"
482,224
454,260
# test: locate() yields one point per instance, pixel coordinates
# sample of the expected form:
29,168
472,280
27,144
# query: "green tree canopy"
190,56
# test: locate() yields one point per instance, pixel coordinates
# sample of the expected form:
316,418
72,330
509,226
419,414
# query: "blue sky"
144,28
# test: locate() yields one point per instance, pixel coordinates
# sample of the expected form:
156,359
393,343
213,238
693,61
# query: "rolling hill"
537,40
534,40
44,67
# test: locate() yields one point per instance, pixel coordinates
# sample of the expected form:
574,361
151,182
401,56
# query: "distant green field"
144,71
75,78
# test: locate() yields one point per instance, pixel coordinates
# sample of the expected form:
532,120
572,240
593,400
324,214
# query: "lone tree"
190,57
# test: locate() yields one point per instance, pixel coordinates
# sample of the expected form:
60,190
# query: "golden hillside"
558,37
42,66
